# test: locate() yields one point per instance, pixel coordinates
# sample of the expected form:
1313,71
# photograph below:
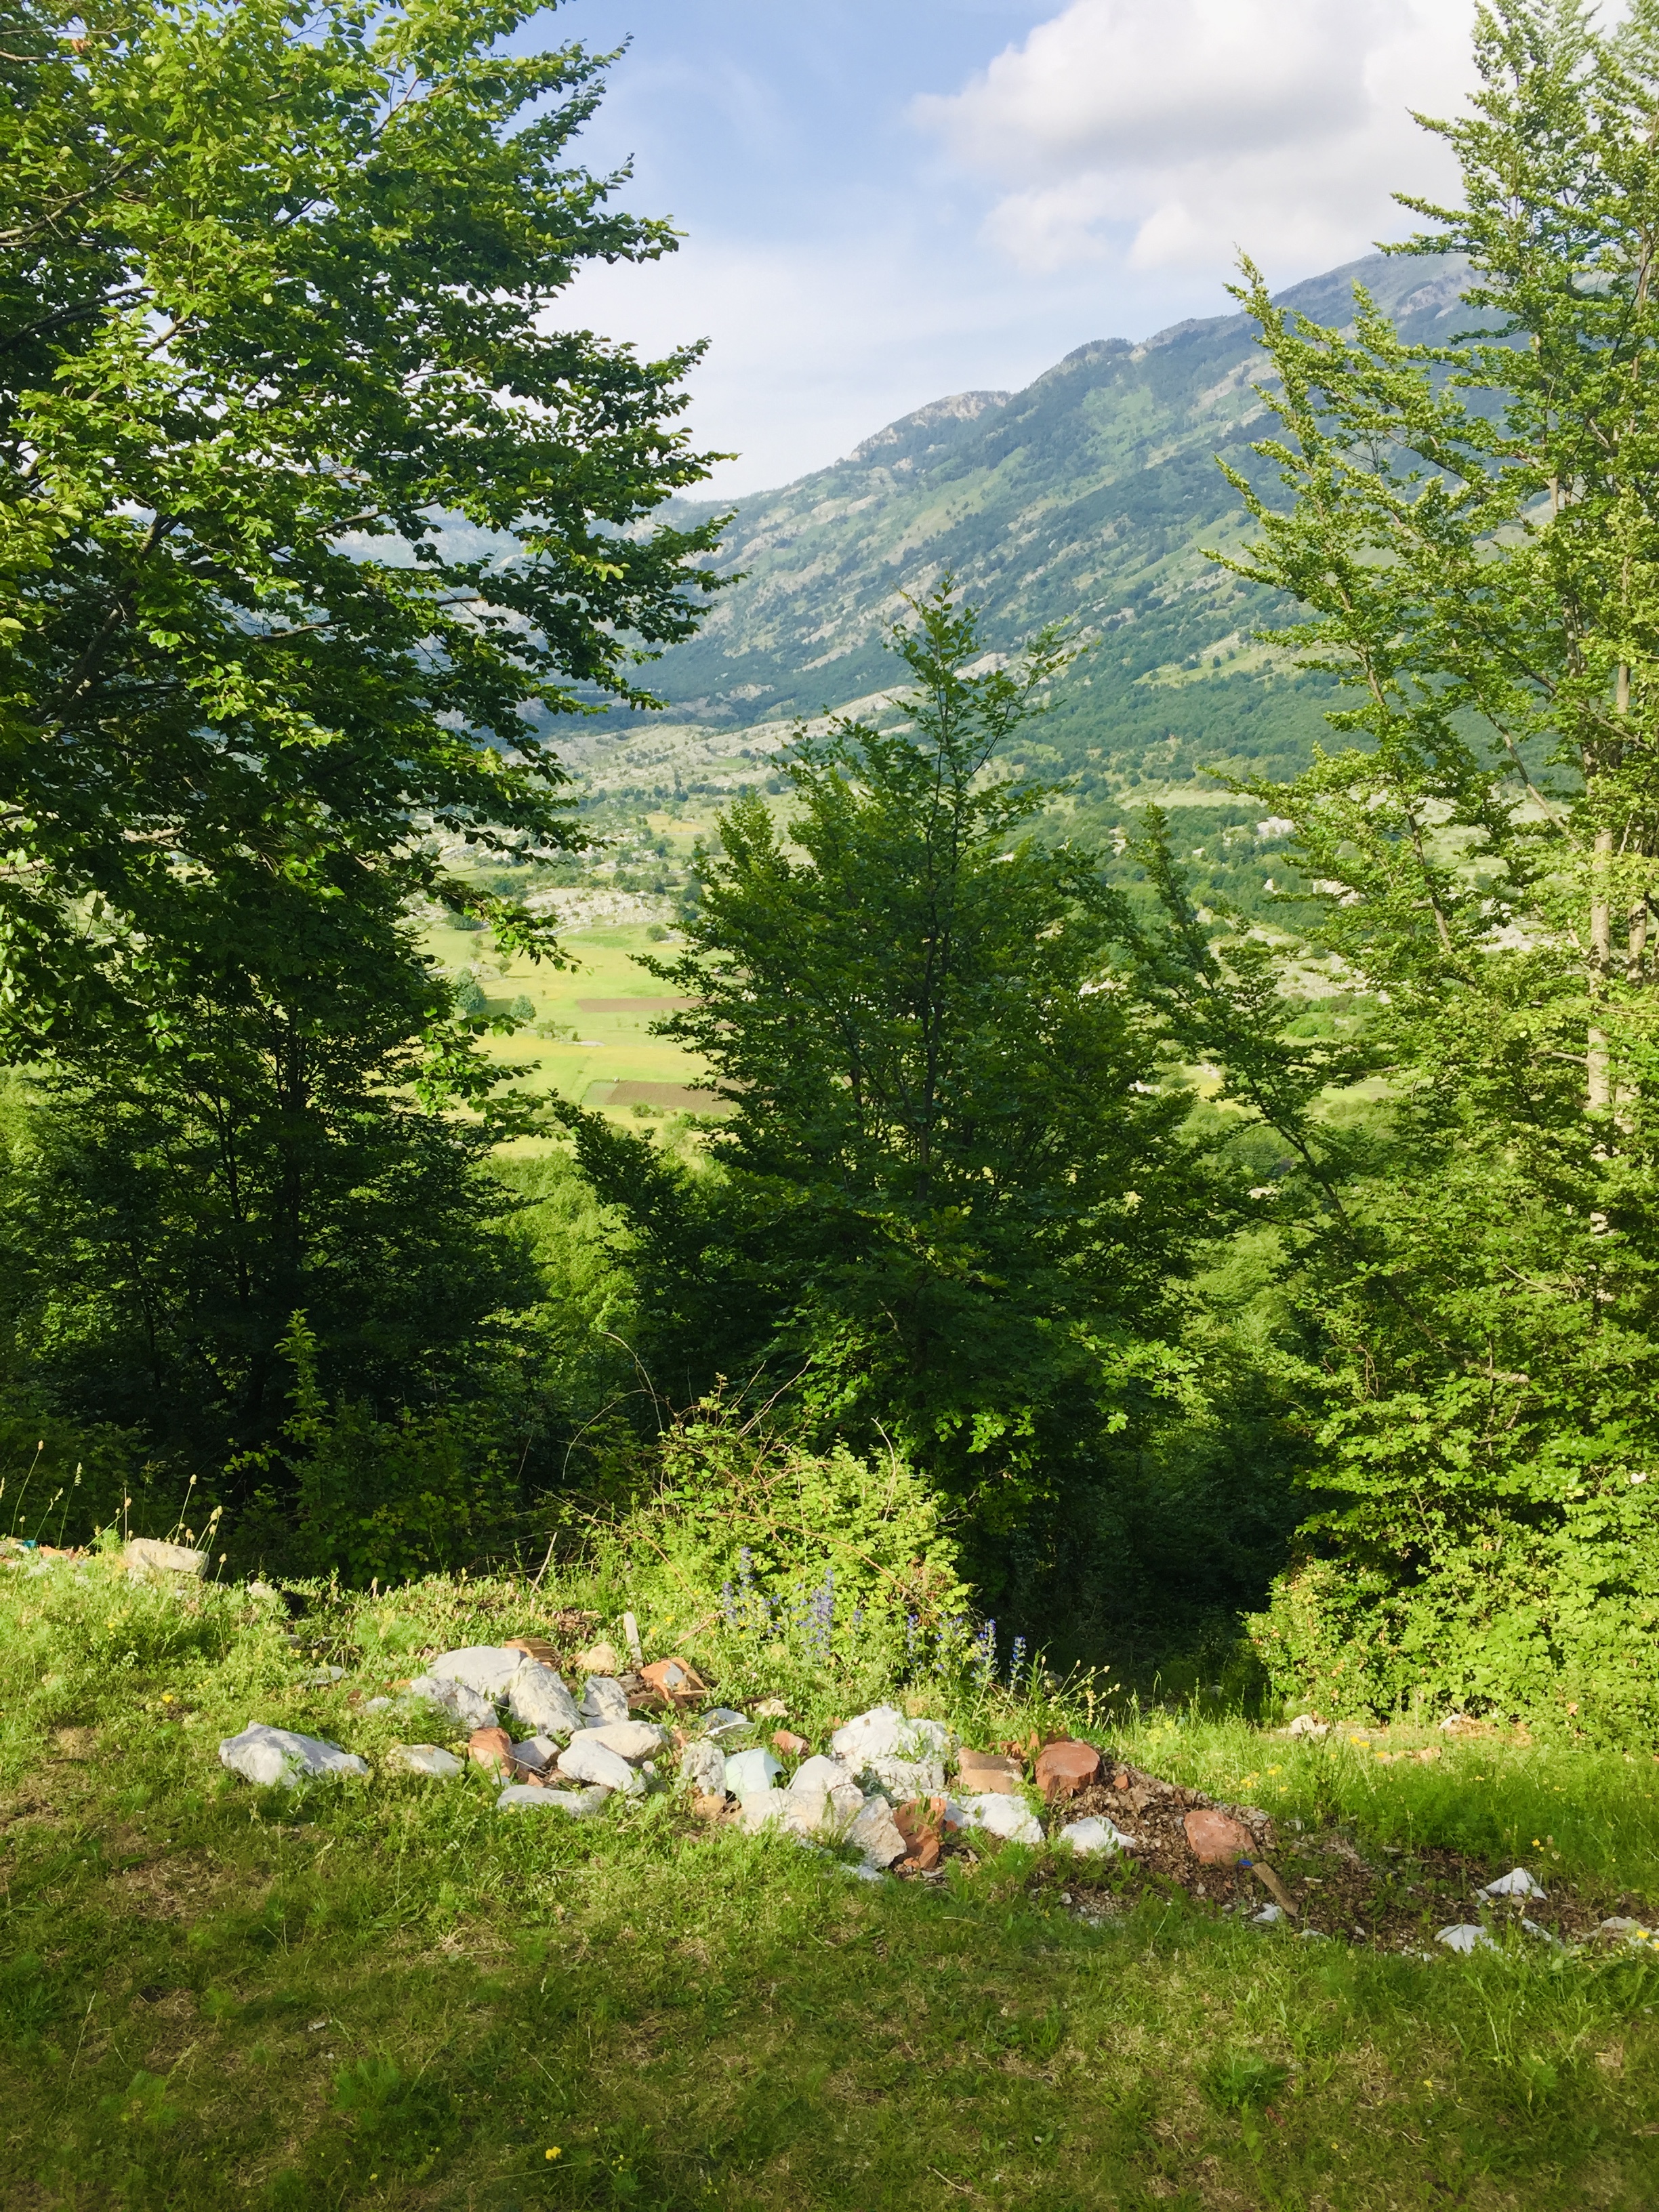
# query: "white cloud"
1169,133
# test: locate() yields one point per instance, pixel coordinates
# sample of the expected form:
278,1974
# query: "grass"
385,1994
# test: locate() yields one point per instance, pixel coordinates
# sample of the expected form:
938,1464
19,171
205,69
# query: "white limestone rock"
630,1740
468,1709
538,1699
722,1720
584,1761
1466,1937
876,1836
603,1699
903,1778
529,1797
425,1758
486,1667
747,1772
1008,1818
1097,1835
148,1556
274,1755
536,1753
703,1764
883,1737
1517,1883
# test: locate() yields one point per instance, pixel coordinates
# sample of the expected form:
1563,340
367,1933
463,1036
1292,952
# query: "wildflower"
554,2152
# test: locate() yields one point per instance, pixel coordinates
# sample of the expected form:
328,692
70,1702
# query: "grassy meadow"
385,1993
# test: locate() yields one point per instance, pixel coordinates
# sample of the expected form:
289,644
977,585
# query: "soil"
1387,1898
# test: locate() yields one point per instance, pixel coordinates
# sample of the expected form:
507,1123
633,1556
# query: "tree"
313,524
947,1200
1472,530
312,517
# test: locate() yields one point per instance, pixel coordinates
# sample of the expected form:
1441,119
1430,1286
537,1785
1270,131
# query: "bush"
1557,1623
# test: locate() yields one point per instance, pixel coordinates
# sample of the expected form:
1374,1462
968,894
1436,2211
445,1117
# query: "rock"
539,1700
526,1797
1268,1915
1063,1769
533,1647
630,1740
703,1764
676,1678
467,1708
764,1808
602,1659
486,1667
424,1758
261,1590
1097,1835
772,1709
1215,1839
980,1771
1305,1724
583,1759
1460,1725
1620,1930
826,1796
884,1732
266,1755
820,1773
748,1770
722,1720
709,1804
791,1746
490,1747
1465,1937
1007,1817
903,1778
877,1834
631,1638
1517,1883
537,1753
379,1704
321,1678
604,1699
147,1555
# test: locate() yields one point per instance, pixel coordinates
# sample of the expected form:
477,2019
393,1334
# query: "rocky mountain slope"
1086,498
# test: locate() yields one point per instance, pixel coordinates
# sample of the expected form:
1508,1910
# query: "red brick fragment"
920,1822
1217,1840
491,1747
676,1680
1063,1769
988,1771
791,1746
533,1647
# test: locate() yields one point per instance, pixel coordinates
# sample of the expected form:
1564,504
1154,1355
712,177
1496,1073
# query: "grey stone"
748,1770
536,1753
1305,1724
882,1734
584,1761
319,1677
1465,1937
149,1555
538,1699
469,1709
486,1667
703,1764
528,1798
1007,1817
266,1755
902,1778
874,1833
425,1758
378,1705
1517,1883
603,1699
1097,1835
630,1740
1268,1915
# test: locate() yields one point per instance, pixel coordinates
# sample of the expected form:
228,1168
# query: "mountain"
1086,499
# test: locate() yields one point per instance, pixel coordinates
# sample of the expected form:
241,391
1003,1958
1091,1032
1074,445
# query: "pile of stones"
880,1789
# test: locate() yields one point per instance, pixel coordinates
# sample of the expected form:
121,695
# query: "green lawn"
386,1993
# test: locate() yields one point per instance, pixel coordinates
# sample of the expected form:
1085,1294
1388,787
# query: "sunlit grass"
386,1994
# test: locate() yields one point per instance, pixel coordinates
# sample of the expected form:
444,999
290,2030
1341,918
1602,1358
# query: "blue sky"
886,203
